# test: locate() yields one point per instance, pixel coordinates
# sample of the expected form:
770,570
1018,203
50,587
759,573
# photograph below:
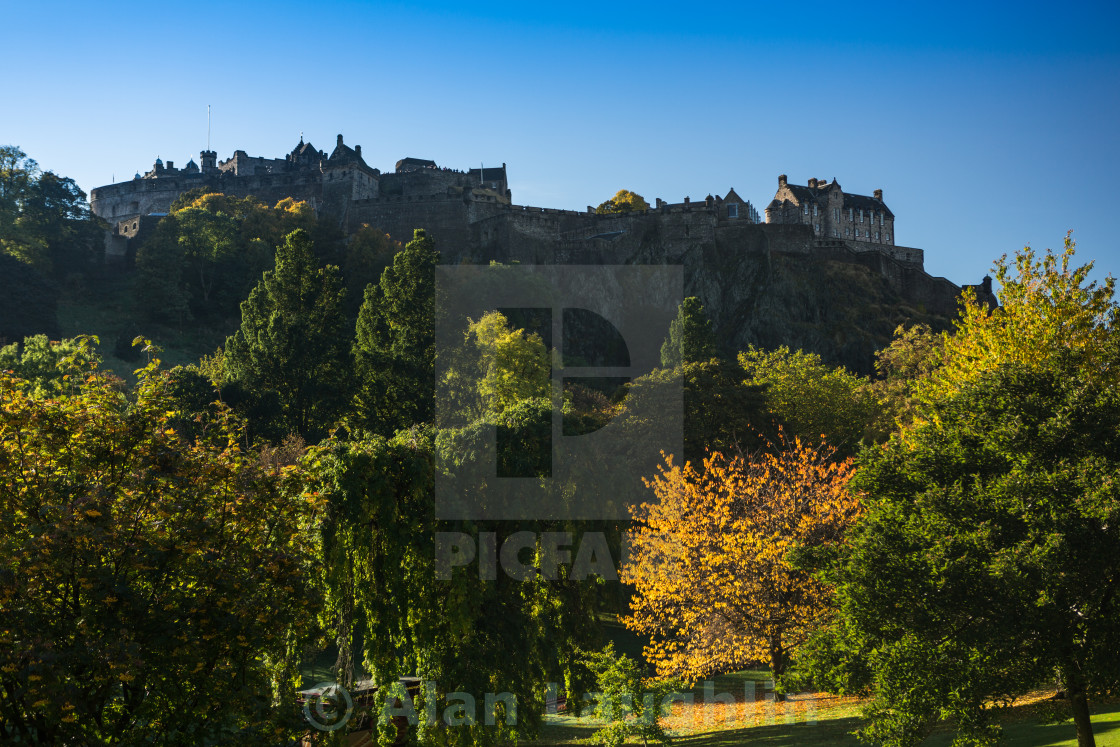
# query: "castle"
471,215
470,208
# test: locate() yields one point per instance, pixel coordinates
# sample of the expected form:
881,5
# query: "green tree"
988,556
203,258
152,588
457,628
903,366
44,218
394,352
690,336
721,412
630,705
624,201
293,341
45,364
814,401
515,366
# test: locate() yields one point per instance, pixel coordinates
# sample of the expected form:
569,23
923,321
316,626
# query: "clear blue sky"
988,127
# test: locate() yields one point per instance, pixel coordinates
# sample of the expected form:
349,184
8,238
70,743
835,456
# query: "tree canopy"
624,201
988,557
45,220
152,585
294,341
690,339
712,582
815,401
394,351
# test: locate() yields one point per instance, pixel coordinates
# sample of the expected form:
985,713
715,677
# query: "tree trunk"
1079,706
777,663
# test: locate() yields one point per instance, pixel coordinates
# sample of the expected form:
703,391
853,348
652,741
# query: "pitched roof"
804,194
344,155
863,202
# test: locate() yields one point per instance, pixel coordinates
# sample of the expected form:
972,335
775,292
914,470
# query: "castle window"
847,232
817,227
836,233
876,235
732,211
880,219
850,214
861,215
814,211
888,238
857,233
836,214
806,209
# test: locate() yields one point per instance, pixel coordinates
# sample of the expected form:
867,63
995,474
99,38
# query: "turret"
209,161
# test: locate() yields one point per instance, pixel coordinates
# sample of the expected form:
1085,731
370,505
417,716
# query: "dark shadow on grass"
830,732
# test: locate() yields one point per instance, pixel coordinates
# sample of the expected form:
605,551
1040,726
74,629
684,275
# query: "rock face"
761,284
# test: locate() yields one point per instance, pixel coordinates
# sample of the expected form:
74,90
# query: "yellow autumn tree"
624,201
713,586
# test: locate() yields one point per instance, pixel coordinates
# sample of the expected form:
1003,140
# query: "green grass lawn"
832,722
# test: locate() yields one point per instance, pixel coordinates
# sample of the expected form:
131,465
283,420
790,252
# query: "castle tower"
209,161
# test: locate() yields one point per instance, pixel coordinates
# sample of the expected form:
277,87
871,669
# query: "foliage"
814,401
988,555
367,254
909,360
394,353
624,201
203,258
44,218
44,364
464,633
153,588
1047,307
629,705
293,341
515,365
721,412
713,585
691,339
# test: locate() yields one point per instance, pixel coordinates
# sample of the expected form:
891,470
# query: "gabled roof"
344,155
802,194
304,148
732,197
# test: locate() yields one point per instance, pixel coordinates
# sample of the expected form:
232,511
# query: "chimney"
878,195
358,149
340,141
781,181
812,183
170,165
686,201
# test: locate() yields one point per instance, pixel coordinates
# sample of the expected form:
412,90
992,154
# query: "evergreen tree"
691,339
394,352
293,343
